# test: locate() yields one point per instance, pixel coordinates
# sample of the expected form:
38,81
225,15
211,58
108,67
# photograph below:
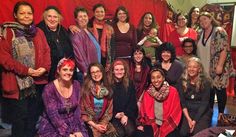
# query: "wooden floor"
230,109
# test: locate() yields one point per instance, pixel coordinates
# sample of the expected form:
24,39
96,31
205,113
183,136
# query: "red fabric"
172,113
12,67
168,28
177,39
136,8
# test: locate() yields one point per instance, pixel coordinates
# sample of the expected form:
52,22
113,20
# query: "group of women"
121,92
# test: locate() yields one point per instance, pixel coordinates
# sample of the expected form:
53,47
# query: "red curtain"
136,8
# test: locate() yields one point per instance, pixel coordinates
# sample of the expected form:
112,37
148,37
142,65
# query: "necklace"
66,97
204,40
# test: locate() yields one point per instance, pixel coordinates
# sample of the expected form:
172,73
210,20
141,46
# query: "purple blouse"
61,116
124,42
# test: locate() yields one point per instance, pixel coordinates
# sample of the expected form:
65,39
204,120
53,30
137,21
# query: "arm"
77,44
141,42
6,59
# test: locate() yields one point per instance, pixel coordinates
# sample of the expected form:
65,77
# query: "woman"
139,70
124,99
195,96
96,102
168,62
146,23
104,34
193,15
61,117
125,34
85,46
213,50
25,58
57,37
182,32
160,110
190,49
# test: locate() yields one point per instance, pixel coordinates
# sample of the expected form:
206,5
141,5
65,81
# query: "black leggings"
221,98
124,130
148,132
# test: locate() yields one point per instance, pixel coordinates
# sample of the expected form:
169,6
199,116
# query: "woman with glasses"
96,102
182,32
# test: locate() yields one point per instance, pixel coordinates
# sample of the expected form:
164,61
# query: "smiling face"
122,16
166,56
24,15
193,69
195,13
205,22
96,74
138,56
52,19
147,21
119,71
82,19
188,48
65,73
181,21
157,79
99,13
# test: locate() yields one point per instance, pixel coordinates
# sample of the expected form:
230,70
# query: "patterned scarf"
28,32
104,35
161,94
99,92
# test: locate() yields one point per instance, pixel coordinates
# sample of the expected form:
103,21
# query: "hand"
140,128
101,128
190,123
219,69
192,129
124,120
78,134
31,72
71,135
38,72
74,29
147,43
119,115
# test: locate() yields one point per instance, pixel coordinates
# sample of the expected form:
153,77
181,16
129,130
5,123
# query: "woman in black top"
57,38
195,96
124,99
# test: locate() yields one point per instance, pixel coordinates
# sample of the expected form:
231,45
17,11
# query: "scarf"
99,92
103,37
28,32
161,94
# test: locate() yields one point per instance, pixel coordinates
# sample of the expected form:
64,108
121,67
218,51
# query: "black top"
60,46
125,101
197,103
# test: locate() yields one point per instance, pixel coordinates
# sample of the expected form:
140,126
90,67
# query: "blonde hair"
214,22
60,18
200,78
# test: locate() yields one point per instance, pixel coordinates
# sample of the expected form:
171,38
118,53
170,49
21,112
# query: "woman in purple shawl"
62,116
86,48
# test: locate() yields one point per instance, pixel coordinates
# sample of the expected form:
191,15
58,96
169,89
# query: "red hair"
64,61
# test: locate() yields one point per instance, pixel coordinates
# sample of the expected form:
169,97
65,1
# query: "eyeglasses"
95,72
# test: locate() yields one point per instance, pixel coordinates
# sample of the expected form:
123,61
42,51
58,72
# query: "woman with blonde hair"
124,99
195,96
213,50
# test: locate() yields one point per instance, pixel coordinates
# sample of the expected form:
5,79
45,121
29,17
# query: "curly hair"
166,46
200,78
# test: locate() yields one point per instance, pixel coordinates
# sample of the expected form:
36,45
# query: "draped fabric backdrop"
136,9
